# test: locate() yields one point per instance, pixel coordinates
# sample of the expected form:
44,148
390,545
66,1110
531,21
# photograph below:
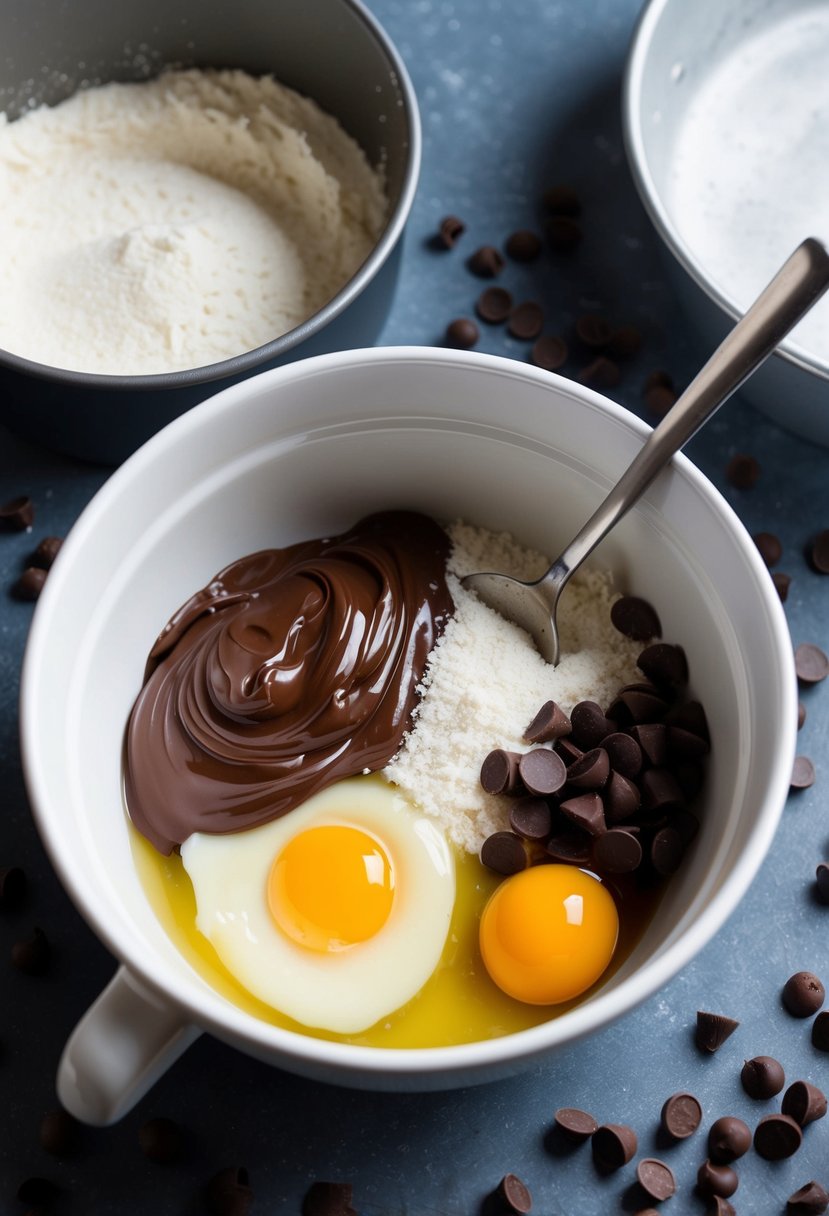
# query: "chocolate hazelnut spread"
292,669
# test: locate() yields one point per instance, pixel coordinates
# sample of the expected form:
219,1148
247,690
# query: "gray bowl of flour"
189,200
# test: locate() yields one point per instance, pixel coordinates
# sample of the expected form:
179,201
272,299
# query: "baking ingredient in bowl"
170,224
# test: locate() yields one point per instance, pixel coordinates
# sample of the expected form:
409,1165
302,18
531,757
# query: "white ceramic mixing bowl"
306,450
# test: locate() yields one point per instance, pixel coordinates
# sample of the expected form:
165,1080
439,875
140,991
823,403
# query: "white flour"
486,681
159,226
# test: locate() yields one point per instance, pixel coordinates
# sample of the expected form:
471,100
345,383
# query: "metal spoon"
801,281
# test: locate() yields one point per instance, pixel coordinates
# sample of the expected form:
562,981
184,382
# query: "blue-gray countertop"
516,95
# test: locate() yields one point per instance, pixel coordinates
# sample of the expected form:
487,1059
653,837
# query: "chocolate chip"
523,245
46,552
822,883
742,471
526,321
624,753
660,792
13,886
621,798
571,848
613,1145
542,771
659,398
549,352
690,716
593,330
591,771
803,773
38,1192
625,342
664,663
728,1139
811,663
681,1115
551,722
762,1077
718,1206
568,751
804,1102
576,1124
530,818
713,1029
514,1195
561,200
449,230
782,582
635,618
809,1199
587,812
563,233
655,1178
589,724
643,706
617,851
602,372
769,546
801,715
504,853
666,851
652,739
30,583
803,994
462,333
499,772
17,514
58,1133
486,262
161,1141
494,305
229,1193
777,1137
32,955
819,553
820,1032
328,1199
717,1180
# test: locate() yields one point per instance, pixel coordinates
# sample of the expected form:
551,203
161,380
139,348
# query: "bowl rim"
279,347
206,1009
633,133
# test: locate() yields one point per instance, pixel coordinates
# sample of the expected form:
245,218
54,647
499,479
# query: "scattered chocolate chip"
659,398
782,582
328,1199
589,724
576,1124
803,994
801,715
715,1179
563,233
46,552
811,1199
513,1195
728,1139
713,1029
449,230
777,1137
38,1192
13,886
542,771
718,1206
561,200
32,955
681,1115
682,745
499,771
762,1077
621,798
586,812
551,722
822,883
819,553
58,1133
624,753
635,618
811,663
591,771
602,372
804,1102
593,330
803,773
613,1145
742,471
228,1193
658,379
625,342
30,583
494,305
526,321
655,1178
820,1032
504,853
530,818
549,352
486,262
17,514
161,1141
664,663
523,245
617,852
769,547
666,851
462,333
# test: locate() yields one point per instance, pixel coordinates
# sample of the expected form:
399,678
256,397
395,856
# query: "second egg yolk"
548,933
331,887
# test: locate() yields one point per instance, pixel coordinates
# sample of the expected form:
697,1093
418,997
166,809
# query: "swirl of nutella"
292,669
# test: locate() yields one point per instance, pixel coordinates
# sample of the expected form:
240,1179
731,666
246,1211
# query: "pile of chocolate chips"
613,791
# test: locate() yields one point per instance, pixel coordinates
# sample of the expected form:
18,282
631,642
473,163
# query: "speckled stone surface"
515,96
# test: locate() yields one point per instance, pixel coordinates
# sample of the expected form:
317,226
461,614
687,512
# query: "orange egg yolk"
331,887
548,933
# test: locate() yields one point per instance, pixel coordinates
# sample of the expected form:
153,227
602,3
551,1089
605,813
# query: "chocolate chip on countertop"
530,818
811,1199
777,1137
811,663
328,1199
803,773
561,200
526,321
462,333
13,886
17,514
549,352
801,715
742,471
58,1132
782,582
820,1032
718,1206
30,583
713,1029
46,552
602,372
803,994
769,546
513,1195
613,1145
617,852
625,342
38,1192
655,1178
728,1139
504,853
499,771
804,1102
659,397
762,1077
523,245
229,1193
486,262
551,722
161,1141
449,230
819,553
593,330
576,1124
564,234
713,1179
681,1115
33,954
494,305
822,883
635,618
542,771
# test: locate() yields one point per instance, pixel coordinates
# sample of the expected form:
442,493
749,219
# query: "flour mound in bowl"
174,223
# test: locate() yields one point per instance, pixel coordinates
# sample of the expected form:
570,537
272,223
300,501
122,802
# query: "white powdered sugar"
485,681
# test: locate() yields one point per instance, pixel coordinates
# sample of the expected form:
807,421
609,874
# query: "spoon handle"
794,289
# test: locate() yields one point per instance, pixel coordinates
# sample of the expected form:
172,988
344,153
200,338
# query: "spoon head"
521,603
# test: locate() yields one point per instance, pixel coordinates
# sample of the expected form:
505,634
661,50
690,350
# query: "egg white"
349,990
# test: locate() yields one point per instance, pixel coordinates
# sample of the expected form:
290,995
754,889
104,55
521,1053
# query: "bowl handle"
120,1047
